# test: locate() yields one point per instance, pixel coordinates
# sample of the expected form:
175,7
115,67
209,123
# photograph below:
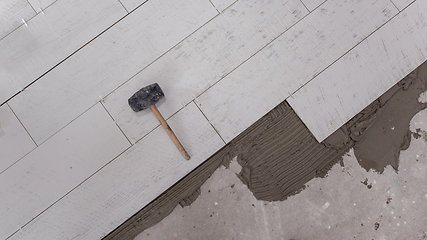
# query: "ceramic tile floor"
70,144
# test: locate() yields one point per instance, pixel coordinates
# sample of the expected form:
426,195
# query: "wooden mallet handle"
170,132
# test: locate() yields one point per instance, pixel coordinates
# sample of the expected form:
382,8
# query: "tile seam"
194,101
123,6
116,123
31,7
336,60
214,6
395,5
22,124
305,6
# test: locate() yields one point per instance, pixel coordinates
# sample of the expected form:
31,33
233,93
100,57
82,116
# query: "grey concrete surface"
349,203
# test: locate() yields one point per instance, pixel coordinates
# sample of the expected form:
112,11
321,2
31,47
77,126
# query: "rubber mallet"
148,97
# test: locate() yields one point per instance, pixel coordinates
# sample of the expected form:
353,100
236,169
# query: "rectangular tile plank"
312,4
106,63
49,38
289,62
56,167
14,140
202,59
365,73
11,14
128,183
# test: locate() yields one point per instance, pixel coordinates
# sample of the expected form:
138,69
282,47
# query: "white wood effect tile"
246,94
289,62
366,72
32,50
107,62
312,4
132,4
267,20
221,5
401,4
11,14
42,4
14,140
128,183
203,59
56,167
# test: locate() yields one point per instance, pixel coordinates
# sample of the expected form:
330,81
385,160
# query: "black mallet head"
145,97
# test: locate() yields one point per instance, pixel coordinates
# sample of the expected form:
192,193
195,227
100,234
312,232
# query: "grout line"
32,7
123,6
149,132
63,60
215,7
115,122
17,160
68,123
66,194
395,5
336,60
22,125
305,6
209,122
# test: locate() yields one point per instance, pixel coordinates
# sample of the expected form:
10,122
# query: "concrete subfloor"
349,203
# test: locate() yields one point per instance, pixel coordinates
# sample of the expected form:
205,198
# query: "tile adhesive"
279,155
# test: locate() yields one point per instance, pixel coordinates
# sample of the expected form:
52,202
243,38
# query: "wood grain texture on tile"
40,5
49,38
202,59
364,74
312,4
107,62
401,4
289,62
14,140
11,14
128,183
56,167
